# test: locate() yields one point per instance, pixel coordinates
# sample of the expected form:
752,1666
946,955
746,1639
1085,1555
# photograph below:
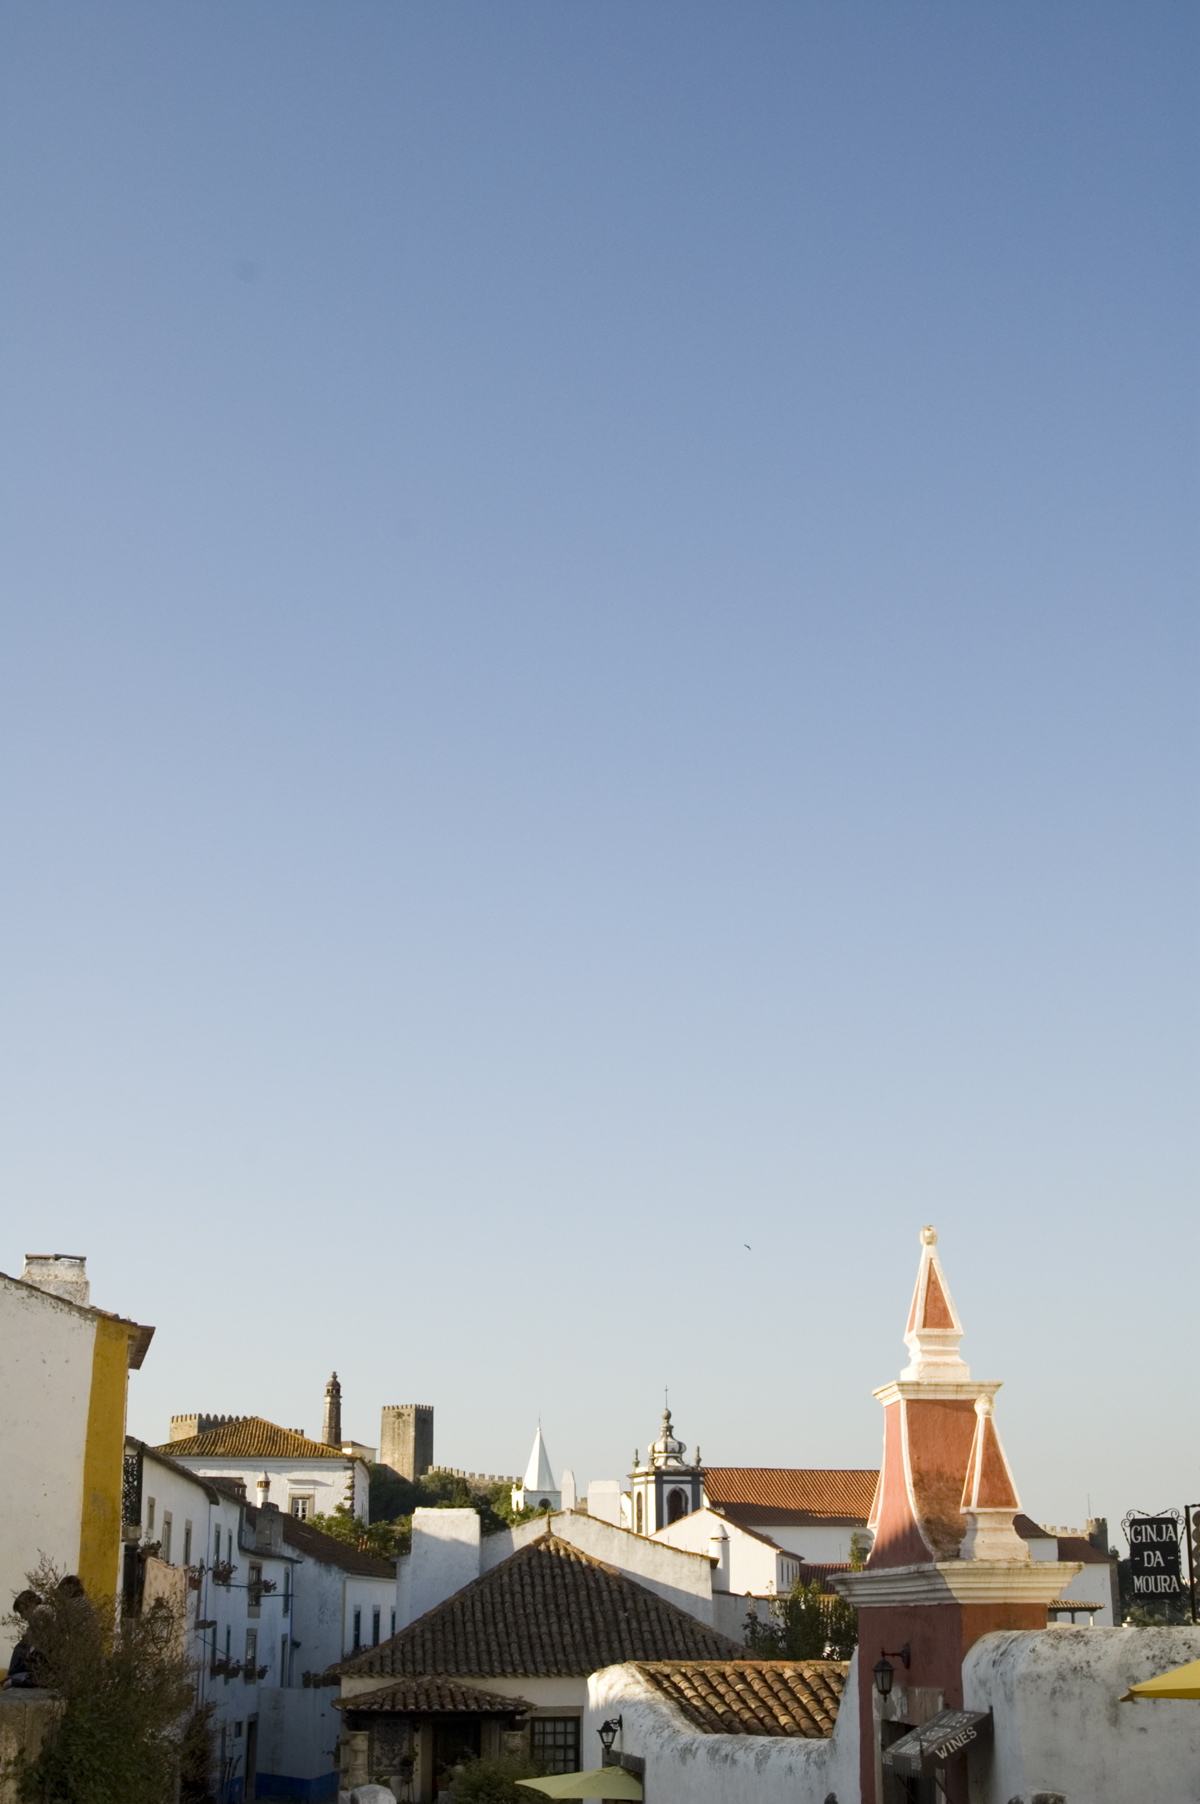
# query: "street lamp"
885,1672
608,1733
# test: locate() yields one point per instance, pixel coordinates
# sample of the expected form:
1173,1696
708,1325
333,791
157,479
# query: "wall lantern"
608,1733
885,1672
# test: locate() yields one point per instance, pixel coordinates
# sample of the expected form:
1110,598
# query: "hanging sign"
1154,1564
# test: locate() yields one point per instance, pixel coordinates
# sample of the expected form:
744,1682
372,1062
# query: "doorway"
251,1789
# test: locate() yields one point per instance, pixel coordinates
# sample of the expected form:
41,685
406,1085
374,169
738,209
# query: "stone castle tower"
406,1438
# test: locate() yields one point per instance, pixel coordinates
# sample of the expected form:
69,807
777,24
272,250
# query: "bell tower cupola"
667,1486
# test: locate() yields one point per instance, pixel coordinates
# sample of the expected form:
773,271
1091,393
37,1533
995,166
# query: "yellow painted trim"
103,1460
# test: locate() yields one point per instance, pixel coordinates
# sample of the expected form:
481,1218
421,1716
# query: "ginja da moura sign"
1154,1557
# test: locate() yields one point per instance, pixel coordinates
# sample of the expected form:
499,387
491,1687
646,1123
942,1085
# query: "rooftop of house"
789,1496
548,1610
314,1544
139,1335
752,1697
435,1695
250,1437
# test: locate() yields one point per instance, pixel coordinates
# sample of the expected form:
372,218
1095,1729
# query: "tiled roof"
134,1446
817,1496
753,1697
250,1438
549,1609
434,1695
1028,1529
316,1545
1074,1547
1074,1603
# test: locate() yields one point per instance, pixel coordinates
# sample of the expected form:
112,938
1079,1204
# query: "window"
217,1546
254,1592
637,1515
287,1592
358,1629
283,1659
250,1671
301,1507
165,1537
187,1543
228,1650
393,1622
149,1518
554,1743
677,1504
375,1615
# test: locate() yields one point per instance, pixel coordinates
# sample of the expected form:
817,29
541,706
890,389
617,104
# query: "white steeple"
537,1490
538,1475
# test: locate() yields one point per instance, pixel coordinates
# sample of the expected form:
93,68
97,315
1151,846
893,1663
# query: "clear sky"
598,665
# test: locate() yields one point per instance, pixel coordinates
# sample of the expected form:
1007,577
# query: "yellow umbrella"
603,1782
1180,1682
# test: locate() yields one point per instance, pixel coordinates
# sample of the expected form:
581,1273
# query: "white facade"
219,1549
744,1561
301,1488
65,1369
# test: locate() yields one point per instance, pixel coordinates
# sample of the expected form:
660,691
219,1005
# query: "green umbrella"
602,1782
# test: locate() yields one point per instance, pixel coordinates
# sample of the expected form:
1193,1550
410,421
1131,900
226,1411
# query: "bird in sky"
747,1246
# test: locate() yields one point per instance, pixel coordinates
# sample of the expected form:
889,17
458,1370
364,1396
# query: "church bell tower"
666,1487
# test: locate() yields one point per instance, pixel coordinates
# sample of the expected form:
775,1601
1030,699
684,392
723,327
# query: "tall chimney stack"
62,1274
331,1433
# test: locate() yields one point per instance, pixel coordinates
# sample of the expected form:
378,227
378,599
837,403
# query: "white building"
537,1490
269,1603
306,1477
743,1560
66,1369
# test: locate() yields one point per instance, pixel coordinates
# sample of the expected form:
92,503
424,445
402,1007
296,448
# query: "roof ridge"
492,1582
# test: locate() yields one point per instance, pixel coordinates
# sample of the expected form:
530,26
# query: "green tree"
807,1624
126,1689
494,1780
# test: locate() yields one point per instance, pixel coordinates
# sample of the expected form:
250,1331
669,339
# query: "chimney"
331,1432
444,1557
263,1488
61,1274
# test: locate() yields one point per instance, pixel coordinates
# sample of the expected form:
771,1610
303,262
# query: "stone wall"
1061,1729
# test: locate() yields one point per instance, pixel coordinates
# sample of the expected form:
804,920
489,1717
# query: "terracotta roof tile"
753,1697
1074,1547
549,1609
436,1694
250,1438
843,1496
316,1545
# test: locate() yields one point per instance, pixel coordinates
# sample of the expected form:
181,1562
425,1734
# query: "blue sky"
598,664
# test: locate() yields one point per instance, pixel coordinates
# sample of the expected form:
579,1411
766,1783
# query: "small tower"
666,1487
537,1490
406,1438
331,1432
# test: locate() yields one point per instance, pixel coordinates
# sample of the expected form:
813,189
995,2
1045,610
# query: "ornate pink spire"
934,1330
989,1498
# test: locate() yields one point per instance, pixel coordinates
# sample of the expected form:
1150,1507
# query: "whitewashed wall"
1060,1728
46,1358
747,1562
329,1482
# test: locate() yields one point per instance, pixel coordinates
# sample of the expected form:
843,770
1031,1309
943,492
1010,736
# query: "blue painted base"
311,1791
